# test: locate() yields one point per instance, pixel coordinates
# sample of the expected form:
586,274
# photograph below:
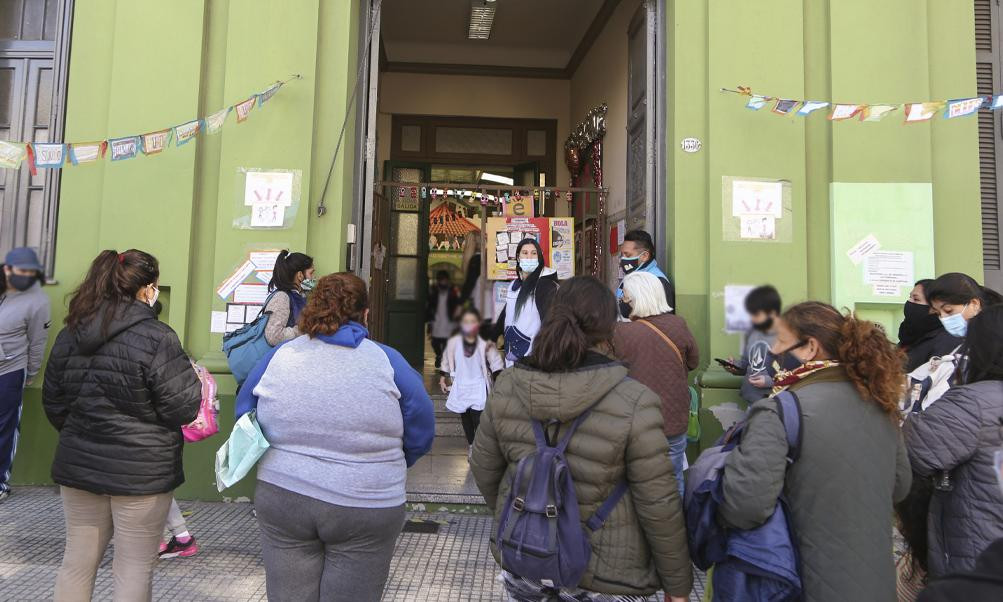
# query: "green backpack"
693,428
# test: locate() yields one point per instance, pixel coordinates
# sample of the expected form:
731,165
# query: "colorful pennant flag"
756,102
785,106
876,112
185,132
156,142
124,148
841,112
11,154
268,93
997,102
963,107
243,109
921,111
214,122
810,106
86,152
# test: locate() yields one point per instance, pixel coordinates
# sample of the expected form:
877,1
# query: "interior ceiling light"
482,17
490,177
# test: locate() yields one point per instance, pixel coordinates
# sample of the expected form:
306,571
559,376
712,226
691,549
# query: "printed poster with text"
555,235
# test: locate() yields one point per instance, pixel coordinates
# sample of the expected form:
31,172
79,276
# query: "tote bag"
241,451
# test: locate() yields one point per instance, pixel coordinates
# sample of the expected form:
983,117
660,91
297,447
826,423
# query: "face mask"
789,359
764,326
629,264
625,309
469,329
956,324
309,284
153,301
529,265
21,283
918,322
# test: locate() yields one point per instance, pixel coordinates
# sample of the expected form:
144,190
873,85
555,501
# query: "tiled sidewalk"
451,565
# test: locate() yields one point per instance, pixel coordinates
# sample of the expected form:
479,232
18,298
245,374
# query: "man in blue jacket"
637,254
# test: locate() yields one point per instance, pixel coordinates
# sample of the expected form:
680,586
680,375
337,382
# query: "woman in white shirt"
527,301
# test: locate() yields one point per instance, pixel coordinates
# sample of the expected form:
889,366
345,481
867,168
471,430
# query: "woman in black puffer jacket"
118,388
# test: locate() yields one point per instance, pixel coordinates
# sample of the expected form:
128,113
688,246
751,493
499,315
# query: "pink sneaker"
176,549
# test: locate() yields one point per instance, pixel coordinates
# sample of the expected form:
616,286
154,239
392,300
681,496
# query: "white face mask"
156,293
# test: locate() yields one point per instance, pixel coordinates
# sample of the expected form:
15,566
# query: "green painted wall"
848,51
179,205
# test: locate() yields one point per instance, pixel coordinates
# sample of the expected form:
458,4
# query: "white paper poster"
250,293
736,319
757,198
264,260
275,187
862,249
758,227
886,290
889,267
235,314
267,215
233,281
217,322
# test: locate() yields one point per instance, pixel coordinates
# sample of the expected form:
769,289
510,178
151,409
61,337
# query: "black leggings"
471,419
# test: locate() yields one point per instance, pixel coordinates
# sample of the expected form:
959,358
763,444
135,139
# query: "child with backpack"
472,364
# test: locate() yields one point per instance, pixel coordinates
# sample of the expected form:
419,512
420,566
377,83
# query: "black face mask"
788,359
918,323
625,310
629,265
21,283
763,326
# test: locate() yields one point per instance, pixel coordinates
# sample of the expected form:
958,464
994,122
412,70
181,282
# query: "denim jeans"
677,453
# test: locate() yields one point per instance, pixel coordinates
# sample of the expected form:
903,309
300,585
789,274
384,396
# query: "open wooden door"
406,262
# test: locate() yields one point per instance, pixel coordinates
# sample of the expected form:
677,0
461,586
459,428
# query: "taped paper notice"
758,227
217,322
265,277
233,281
886,290
264,260
250,293
889,268
235,314
736,319
862,249
757,198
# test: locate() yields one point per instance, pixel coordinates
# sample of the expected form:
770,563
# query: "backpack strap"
789,408
596,521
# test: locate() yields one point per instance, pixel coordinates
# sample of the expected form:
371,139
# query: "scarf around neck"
786,378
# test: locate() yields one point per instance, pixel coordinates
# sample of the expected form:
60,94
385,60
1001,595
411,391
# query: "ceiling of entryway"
540,35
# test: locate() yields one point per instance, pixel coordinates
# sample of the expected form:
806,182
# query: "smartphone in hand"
730,366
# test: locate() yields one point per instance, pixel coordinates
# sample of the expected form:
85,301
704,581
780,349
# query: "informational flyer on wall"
267,198
755,209
555,236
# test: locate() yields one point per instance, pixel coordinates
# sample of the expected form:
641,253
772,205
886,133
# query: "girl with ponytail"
852,464
571,377
292,279
118,387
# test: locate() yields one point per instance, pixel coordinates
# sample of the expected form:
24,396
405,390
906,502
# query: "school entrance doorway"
541,112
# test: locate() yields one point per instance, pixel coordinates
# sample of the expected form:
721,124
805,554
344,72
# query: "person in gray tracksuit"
960,433
24,323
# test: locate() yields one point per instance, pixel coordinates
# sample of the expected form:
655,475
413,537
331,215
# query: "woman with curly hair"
345,417
852,464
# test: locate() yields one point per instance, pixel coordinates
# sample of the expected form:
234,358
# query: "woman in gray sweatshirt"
24,323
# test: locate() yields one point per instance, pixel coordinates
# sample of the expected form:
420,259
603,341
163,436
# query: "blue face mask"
955,324
529,265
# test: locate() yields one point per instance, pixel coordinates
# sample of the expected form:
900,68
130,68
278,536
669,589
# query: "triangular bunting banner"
756,102
921,111
785,107
268,93
49,155
841,112
876,112
961,108
156,142
243,109
11,154
214,122
124,148
86,152
810,106
185,132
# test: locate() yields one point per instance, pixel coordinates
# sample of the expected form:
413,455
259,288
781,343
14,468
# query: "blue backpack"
540,534
245,346
754,564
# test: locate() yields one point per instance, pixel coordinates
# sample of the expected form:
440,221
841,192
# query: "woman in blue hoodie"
330,495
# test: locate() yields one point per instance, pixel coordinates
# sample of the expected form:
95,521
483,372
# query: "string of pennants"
914,112
434,193
54,155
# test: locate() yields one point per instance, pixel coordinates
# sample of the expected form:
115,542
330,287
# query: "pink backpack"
206,424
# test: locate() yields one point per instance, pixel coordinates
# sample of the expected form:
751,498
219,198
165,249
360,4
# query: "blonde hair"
646,294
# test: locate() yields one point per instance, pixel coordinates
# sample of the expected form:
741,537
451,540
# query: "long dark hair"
959,289
528,286
287,265
113,279
582,315
984,345
874,365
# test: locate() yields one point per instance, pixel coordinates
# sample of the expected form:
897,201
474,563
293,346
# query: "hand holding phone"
730,366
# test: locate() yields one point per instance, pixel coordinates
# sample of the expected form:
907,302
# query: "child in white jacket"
471,363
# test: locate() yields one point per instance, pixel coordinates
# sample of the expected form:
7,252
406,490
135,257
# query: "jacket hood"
565,395
350,335
652,268
92,334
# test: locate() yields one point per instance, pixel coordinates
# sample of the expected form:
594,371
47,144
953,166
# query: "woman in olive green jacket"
642,546
852,464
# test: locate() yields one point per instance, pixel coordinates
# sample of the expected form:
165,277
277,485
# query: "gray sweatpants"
318,551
